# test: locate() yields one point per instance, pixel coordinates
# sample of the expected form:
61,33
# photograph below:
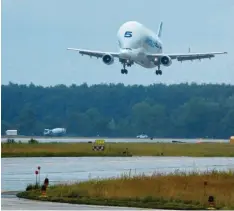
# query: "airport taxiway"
10,201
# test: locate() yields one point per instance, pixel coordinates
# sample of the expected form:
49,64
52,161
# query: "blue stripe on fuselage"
152,43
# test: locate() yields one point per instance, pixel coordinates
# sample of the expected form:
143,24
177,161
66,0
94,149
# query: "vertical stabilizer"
160,29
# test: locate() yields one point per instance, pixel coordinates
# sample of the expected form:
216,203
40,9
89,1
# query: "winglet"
160,29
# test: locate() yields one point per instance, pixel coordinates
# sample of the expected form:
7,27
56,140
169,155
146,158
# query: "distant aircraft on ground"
140,45
142,136
55,132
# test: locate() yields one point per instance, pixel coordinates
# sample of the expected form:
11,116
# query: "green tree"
178,110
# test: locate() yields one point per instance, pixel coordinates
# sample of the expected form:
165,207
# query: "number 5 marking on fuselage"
128,34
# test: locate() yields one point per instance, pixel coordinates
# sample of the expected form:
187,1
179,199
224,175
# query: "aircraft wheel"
158,72
124,71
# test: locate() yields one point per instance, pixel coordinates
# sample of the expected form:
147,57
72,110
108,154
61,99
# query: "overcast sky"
35,35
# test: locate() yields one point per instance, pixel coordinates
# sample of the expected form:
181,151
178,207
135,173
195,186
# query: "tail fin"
160,29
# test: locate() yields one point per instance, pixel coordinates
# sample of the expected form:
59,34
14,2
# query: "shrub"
33,141
32,187
11,141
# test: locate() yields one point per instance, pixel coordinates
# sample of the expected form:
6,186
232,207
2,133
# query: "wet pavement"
9,201
18,172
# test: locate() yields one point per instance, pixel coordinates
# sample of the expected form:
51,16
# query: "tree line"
116,110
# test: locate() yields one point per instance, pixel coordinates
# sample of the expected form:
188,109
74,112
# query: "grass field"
171,191
117,149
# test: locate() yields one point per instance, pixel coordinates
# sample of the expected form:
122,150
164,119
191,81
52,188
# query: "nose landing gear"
124,71
125,62
158,71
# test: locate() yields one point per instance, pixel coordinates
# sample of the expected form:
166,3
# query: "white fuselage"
140,45
135,40
55,131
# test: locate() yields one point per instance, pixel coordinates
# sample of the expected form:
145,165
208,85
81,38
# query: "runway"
18,172
43,139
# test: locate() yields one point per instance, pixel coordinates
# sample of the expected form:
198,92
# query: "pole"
39,168
36,172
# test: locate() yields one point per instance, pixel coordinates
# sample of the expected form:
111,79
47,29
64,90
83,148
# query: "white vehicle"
142,136
11,132
54,132
140,45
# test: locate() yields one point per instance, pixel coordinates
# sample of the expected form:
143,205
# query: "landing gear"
129,63
158,72
124,71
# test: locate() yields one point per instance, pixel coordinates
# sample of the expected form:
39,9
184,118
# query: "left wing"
97,54
187,56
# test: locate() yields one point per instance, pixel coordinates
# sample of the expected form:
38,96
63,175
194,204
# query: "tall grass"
178,186
117,149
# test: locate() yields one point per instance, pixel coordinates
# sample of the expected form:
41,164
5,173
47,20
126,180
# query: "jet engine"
108,59
166,60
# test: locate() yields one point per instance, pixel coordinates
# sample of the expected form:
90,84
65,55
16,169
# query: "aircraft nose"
125,54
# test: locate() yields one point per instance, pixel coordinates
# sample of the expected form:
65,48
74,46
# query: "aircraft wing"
90,53
187,56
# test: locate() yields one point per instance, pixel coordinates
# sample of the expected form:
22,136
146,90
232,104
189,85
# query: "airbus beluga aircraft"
139,45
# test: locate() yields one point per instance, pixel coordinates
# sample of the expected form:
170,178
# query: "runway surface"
117,140
9,201
18,172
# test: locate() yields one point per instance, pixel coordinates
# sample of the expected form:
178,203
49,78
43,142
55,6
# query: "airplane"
54,132
140,45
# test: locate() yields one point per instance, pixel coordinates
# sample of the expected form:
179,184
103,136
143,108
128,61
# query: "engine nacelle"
166,61
108,59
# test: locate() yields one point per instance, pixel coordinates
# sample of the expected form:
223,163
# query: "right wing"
97,54
187,56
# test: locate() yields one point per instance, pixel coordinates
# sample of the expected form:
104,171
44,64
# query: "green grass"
117,149
177,190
